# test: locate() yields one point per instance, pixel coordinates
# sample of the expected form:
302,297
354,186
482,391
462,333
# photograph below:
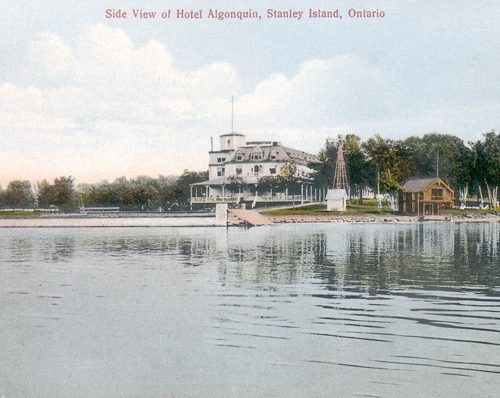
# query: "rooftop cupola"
231,141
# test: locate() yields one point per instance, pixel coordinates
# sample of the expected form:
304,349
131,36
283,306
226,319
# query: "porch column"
191,197
223,191
302,193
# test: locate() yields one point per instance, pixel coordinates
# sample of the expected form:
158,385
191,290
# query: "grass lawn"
369,206
19,214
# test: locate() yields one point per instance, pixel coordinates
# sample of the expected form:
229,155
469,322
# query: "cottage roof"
420,184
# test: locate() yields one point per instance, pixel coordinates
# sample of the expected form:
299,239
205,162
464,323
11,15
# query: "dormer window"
256,154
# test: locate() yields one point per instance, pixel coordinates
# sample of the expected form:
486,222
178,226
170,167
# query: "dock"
241,217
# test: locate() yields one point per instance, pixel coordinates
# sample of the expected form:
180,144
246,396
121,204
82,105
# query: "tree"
181,191
60,193
234,184
393,160
324,167
462,171
360,172
487,165
435,155
18,194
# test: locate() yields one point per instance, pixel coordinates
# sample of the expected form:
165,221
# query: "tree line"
141,193
384,164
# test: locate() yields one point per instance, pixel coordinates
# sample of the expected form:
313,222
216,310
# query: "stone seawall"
47,222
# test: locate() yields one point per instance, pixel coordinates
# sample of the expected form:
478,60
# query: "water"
326,310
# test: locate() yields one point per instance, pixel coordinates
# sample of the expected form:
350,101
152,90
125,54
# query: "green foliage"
360,171
17,194
234,184
142,192
324,167
285,180
288,173
435,152
393,160
61,194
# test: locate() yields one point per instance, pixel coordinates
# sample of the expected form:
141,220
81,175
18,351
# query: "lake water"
304,310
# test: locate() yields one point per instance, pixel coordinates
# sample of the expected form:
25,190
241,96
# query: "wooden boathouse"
425,196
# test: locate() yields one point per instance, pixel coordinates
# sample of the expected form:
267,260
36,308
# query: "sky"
98,98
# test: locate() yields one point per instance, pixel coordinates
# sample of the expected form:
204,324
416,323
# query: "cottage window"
238,170
221,171
272,170
437,194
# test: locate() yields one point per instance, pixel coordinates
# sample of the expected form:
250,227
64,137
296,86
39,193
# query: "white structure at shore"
336,198
235,169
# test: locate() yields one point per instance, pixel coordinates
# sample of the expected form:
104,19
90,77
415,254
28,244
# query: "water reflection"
288,311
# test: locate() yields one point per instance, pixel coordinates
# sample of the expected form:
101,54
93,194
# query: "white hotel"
234,171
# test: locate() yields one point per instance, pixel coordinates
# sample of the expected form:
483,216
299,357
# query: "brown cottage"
425,196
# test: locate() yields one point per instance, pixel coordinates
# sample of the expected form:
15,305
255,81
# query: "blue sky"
95,98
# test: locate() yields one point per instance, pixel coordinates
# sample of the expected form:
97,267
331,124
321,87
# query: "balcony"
248,198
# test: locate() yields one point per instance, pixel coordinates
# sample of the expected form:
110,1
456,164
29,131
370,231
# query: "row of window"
256,170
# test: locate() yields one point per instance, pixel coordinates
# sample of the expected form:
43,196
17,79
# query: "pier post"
221,214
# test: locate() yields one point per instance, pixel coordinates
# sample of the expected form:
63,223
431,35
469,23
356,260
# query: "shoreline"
376,218
207,221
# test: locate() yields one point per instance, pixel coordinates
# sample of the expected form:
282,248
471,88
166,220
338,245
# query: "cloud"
104,106
344,89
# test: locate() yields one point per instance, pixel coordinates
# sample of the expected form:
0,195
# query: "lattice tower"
340,176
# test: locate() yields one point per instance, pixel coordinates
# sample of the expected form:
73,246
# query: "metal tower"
340,176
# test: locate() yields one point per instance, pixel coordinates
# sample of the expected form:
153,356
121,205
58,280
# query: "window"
437,194
238,170
256,170
272,170
273,157
228,141
220,160
256,157
221,171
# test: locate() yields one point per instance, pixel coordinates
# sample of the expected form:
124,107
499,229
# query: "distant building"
425,196
235,169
